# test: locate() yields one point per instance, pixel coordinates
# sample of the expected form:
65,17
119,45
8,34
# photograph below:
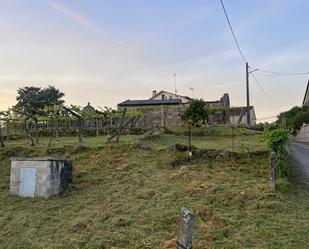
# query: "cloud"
81,20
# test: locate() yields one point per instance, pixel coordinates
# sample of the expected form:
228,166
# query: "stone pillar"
272,173
185,230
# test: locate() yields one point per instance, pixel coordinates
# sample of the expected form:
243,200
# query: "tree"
52,96
289,116
194,114
31,102
301,118
54,113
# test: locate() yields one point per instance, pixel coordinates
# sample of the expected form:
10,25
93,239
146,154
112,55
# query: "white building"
168,95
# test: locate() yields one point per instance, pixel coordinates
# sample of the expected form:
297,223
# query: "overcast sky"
107,51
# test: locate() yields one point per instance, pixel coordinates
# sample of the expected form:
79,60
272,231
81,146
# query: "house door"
27,182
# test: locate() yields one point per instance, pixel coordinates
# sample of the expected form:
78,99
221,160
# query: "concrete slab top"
39,159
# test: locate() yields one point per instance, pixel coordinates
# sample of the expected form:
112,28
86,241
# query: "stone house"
224,102
156,112
164,109
238,115
168,95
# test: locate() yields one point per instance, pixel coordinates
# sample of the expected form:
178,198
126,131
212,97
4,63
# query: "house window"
171,97
163,96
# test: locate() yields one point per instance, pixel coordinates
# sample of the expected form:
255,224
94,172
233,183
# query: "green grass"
125,197
253,143
91,142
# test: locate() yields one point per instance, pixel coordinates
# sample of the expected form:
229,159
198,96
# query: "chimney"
154,93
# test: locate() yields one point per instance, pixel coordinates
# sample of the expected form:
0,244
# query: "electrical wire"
265,93
231,28
258,69
266,118
282,73
242,55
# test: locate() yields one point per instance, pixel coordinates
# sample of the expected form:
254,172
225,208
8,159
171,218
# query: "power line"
266,118
282,73
265,93
242,55
231,28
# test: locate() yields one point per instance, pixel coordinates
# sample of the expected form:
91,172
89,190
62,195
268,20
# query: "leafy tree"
31,102
194,114
289,116
301,118
52,96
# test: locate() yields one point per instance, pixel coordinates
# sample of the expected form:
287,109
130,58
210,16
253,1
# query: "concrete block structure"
40,177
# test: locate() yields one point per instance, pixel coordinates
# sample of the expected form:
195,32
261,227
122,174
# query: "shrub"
277,140
301,118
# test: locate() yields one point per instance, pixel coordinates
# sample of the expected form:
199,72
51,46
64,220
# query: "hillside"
128,195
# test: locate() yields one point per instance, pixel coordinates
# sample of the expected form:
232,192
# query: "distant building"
162,109
238,115
164,95
224,102
306,97
161,99
89,108
165,108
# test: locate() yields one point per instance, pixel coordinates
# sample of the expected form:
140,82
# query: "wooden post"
273,169
233,138
185,230
80,123
1,139
80,130
36,130
7,130
97,126
57,128
190,136
121,124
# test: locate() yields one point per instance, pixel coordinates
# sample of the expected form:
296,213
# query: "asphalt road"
300,159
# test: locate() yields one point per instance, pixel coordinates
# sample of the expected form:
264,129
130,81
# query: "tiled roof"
178,95
150,102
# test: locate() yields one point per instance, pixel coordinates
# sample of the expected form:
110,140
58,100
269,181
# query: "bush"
277,140
300,119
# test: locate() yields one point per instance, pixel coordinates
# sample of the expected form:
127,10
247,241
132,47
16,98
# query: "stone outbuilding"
40,177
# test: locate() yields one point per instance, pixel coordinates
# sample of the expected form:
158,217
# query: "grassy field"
124,196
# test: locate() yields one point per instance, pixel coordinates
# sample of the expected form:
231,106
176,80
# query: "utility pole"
248,96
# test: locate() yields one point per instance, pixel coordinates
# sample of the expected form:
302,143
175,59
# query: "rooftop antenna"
175,83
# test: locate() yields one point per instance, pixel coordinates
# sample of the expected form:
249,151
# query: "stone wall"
159,116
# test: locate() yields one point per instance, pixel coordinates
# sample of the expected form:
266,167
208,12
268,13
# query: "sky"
108,51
